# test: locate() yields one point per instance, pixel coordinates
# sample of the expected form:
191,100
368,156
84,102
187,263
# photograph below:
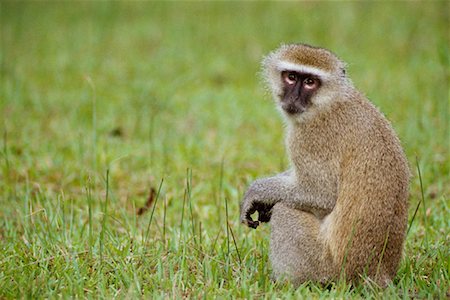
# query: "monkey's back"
366,229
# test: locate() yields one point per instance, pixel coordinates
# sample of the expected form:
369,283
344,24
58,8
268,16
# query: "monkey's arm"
264,193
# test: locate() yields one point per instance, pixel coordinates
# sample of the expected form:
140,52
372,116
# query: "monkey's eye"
310,83
292,76
289,77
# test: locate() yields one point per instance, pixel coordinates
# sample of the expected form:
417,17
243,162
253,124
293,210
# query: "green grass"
101,102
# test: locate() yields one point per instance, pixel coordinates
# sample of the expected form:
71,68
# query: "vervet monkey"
341,210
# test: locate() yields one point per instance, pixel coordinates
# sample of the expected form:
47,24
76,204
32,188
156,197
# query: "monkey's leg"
296,253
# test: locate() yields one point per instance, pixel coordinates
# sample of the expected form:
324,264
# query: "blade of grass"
189,194
228,231
105,215
235,245
5,152
164,221
182,213
89,200
422,199
152,213
94,121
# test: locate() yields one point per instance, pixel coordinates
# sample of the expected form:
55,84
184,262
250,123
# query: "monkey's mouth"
292,109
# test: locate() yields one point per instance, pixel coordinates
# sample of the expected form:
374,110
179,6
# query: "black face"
298,89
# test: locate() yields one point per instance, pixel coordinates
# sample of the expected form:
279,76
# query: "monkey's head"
304,78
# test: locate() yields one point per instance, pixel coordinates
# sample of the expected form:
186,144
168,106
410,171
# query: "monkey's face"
304,79
297,91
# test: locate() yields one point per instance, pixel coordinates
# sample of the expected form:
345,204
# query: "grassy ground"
103,102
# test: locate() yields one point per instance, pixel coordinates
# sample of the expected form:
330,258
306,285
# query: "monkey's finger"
246,213
265,216
252,224
247,220
250,211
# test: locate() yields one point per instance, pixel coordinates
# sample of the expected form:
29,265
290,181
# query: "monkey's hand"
256,199
264,214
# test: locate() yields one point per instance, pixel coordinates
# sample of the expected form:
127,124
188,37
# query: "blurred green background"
154,90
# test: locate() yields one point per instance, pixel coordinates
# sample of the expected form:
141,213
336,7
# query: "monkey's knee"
296,253
290,224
